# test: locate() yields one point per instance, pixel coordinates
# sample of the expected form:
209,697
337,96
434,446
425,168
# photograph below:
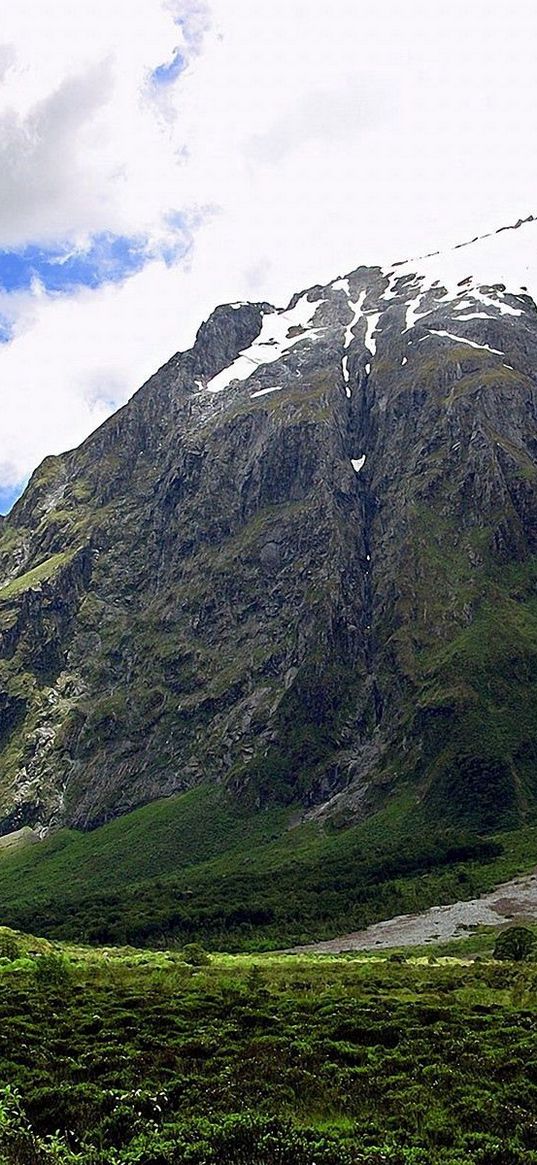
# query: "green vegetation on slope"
468,642
195,867
38,574
158,839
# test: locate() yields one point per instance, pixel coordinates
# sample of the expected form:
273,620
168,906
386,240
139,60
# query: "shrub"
52,970
515,944
9,948
195,955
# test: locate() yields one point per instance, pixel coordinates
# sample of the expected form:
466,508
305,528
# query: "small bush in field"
516,944
52,970
195,955
9,948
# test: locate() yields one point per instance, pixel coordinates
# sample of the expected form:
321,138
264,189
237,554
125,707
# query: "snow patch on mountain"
476,315
272,342
265,391
464,340
372,324
356,308
346,374
412,312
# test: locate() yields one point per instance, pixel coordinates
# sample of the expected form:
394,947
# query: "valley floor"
126,1057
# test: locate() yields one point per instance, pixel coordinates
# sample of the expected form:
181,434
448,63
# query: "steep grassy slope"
197,867
475,710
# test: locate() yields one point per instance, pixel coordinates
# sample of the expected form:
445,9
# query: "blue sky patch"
6,330
108,258
167,73
9,495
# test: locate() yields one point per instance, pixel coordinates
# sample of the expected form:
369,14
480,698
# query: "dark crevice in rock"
361,440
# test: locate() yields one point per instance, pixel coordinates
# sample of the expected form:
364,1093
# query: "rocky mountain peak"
229,329
299,562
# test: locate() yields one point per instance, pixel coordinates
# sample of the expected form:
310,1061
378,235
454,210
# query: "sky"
160,157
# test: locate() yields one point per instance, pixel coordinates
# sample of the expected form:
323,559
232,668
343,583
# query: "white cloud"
83,147
336,132
321,135
77,357
44,173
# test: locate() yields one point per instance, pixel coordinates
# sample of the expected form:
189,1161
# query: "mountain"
299,565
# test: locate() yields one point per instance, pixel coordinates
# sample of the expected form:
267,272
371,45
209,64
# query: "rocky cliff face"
299,562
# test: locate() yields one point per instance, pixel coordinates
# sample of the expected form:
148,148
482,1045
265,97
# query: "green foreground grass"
194,867
127,1057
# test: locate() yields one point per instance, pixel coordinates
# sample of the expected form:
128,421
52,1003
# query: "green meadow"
133,1057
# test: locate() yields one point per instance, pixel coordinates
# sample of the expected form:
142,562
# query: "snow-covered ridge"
479,280
505,260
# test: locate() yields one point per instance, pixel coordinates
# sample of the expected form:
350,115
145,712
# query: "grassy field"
127,1057
194,867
